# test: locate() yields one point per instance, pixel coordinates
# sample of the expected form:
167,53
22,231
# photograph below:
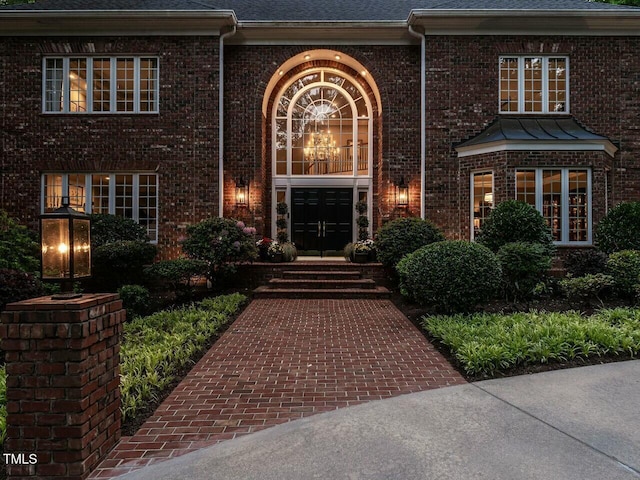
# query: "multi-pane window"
131,195
481,200
534,84
100,85
322,126
563,197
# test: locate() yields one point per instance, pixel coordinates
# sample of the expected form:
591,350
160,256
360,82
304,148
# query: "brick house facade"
354,78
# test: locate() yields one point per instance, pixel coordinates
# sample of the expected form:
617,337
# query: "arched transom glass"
322,126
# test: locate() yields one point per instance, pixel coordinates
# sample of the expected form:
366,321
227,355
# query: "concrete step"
321,275
330,283
346,293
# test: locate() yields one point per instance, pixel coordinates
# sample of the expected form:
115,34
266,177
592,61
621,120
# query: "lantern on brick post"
242,193
402,194
65,237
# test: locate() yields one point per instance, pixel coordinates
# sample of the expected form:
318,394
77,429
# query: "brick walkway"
283,360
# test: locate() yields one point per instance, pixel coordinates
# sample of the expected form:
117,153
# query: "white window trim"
112,193
113,107
545,85
565,200
471,196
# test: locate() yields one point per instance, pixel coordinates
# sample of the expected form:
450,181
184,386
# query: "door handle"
319,229
324,229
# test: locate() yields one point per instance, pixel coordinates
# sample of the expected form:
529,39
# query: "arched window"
322,126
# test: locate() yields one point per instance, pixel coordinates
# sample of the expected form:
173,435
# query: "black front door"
321,219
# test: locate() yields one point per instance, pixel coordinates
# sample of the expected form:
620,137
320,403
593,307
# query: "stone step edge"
334,285
297,293
321,272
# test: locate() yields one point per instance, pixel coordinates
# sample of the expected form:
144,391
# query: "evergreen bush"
452,276
524,265
403,236
136,300
514,221
122,262
107,228
618,230
585,262
624,267
16,285
19,248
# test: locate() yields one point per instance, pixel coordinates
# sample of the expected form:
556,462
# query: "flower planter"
360,257
277,258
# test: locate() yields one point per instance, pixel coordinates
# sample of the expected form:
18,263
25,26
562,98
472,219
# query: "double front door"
321,219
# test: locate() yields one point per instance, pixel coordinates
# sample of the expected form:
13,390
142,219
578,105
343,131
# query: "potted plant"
263,248
275,251
362,251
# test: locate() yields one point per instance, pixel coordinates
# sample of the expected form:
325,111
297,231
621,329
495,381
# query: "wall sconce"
65,240
402,194
242,193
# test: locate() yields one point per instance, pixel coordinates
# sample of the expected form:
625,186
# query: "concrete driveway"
581,423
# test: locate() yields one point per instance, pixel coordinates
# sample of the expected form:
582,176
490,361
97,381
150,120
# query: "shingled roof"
317,10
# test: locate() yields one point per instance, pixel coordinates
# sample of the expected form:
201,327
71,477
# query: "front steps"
322,281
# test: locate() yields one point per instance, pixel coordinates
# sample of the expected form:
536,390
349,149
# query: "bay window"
481,200
563,197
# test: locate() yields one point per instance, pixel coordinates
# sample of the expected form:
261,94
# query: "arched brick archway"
330,67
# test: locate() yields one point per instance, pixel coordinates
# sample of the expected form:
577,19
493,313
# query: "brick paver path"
282,360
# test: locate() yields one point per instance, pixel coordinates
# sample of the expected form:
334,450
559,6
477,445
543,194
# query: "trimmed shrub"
221,243
177,273
453,276
624,267
114,228
583,289
19,249
618,230
282,208
122,262
402,236
136,300
524,265
585,262
514,221
16,285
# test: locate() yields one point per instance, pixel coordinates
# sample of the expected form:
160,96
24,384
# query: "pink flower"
240,225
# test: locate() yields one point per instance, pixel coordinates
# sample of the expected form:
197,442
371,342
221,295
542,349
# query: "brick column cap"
86,301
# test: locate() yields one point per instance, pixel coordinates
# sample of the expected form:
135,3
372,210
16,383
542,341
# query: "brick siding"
181,141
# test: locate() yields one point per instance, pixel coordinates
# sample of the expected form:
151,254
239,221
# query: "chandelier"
321,149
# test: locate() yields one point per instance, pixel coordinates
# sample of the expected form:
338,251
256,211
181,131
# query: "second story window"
100,85
530,84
